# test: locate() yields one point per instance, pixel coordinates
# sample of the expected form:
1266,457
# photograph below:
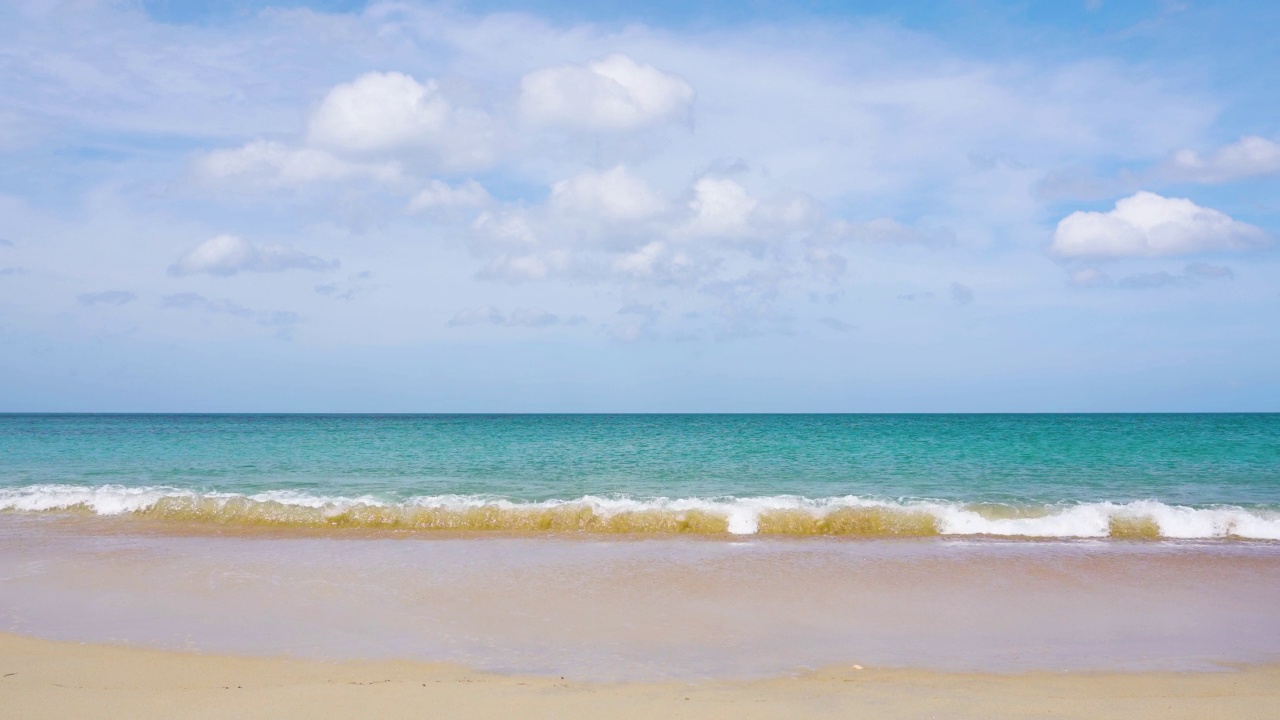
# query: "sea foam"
772,515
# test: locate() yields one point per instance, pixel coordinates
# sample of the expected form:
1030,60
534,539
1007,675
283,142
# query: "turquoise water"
1022,461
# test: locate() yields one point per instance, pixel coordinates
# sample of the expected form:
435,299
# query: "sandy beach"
163,626
43,679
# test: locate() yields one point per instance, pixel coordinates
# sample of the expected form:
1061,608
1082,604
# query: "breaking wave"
777,515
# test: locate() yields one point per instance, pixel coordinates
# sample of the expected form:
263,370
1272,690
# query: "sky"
505,206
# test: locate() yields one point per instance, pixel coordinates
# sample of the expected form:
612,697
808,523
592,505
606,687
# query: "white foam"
103,500
742,515
1091,520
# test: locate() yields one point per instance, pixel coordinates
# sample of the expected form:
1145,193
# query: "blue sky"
539,206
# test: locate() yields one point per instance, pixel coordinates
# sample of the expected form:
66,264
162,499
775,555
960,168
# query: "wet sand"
118,620
607,609
43,679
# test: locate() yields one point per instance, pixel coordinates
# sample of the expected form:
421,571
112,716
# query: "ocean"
1176,476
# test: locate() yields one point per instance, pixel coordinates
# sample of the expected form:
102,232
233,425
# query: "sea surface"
1178,476
619,547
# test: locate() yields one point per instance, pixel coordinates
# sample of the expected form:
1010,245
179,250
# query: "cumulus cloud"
721,208
657,262
384,112
1148,225
614,195
614,93
228,254
369,129
379,111
273,164
514,251
611,226
1250,156
107,297
438,194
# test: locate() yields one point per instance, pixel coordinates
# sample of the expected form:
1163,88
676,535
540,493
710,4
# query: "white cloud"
721,208
379,111
229,254
656,262
614,195
261,162
1148,225
866,119
505,229
438,194
613,93
510,243
722,237
1250,156
385,112
516,267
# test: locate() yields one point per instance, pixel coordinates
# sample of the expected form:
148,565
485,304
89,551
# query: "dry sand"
43,679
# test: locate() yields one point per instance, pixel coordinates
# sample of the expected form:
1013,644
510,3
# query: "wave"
776,515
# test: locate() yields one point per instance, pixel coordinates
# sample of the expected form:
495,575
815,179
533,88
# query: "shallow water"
618,547
1120,476
628,608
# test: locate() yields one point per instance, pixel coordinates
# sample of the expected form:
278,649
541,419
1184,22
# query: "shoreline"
46,679
740,519
88,523
622,609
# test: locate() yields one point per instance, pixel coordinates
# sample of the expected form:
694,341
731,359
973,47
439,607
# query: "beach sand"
139,625
44,679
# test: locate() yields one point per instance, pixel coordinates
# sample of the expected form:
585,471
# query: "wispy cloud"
107,297
229,255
